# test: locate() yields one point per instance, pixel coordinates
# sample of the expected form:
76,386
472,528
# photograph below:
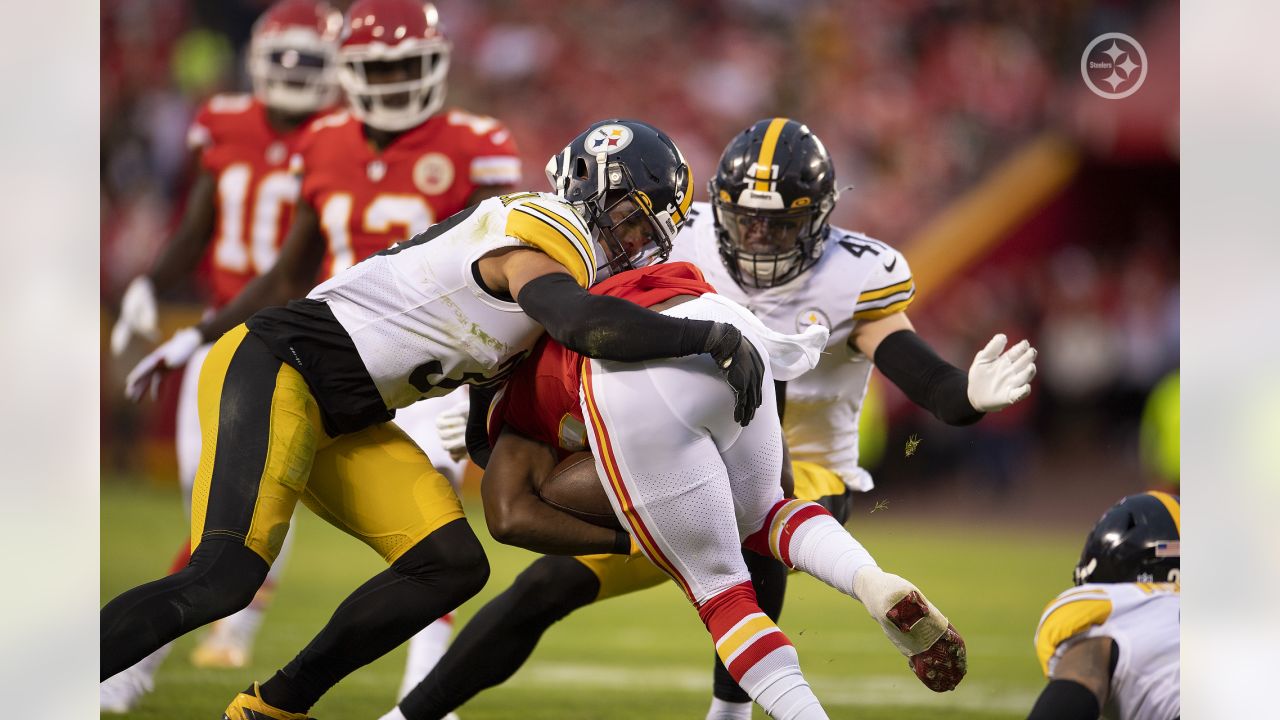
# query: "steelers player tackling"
294,404
765,242
1110,646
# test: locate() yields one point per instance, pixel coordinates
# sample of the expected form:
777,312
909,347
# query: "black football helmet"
631,185
1137,540
772,196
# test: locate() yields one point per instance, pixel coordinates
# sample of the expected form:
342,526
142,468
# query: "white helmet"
401,32
291,56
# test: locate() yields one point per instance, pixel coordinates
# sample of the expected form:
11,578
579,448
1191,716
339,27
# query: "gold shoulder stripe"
560,220
550,239
885,291
886,311
1067,620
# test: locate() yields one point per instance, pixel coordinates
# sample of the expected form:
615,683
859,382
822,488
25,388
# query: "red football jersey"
540,399
368,201
255,192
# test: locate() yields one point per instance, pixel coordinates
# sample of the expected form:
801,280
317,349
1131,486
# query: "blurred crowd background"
962,131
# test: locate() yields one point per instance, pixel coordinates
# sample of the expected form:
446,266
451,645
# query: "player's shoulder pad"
1071,613
552,225
889,287
228,104
487,146
212,120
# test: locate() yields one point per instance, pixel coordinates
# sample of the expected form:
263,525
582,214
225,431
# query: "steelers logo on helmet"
608,139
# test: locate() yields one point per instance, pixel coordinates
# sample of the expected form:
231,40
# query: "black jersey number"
421,377
857,249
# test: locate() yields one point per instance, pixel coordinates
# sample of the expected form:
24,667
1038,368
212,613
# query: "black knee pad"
451,554
221,579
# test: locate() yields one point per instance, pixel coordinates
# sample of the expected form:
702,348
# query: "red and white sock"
806,537
758,655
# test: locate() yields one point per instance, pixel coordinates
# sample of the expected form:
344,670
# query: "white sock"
818,545
425,650
788,697
151,663
394,714
725,710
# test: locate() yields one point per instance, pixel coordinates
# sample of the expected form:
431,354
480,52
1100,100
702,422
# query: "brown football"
574,488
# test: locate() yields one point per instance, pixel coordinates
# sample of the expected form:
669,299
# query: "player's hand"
145,376
999,378
741,366
137,315
452,427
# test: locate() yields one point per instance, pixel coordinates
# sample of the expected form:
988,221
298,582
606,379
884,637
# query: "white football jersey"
1144,620
857,278
420,320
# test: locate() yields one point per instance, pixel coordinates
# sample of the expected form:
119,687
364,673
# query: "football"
573,487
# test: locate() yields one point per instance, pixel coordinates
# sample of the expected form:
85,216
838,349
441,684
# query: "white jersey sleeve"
420,320
1144,620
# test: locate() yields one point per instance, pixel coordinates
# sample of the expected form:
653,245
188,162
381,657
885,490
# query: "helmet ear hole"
581,171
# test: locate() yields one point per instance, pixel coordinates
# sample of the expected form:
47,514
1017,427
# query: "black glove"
741,366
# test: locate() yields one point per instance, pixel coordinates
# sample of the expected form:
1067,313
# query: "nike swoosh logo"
892,264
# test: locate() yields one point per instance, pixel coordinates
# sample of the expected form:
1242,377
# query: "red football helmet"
392,62
291,56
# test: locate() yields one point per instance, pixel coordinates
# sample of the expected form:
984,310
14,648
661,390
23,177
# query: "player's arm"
1080,683
292,275
996,379
176,261
610,328
517,516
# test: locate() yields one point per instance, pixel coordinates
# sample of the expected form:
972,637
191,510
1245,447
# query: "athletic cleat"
942,666
122,691
220,651
251,706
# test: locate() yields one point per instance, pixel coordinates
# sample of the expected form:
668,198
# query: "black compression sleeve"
931,382
477,437
1065,700
608,328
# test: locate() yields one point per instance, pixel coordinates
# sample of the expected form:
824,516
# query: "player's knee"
553,586
451,556
221,579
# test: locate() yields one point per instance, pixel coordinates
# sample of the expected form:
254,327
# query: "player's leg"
769,581
378,486
662,469
262,417
419,422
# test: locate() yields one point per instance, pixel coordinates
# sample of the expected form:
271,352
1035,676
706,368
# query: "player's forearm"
527,522
184,250
929,381
263,291
1065,700
609,328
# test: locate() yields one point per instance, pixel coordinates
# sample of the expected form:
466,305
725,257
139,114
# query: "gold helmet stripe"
1171,504
683,210
767,148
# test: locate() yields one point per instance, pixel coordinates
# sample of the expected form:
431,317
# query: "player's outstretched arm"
1080,683
997,378
178,259
517,516
610,328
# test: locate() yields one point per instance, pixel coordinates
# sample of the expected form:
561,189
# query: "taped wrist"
931,382
608,328
1065,700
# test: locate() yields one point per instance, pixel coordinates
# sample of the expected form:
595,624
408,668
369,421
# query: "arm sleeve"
931,382
477,437
608,328
1065,700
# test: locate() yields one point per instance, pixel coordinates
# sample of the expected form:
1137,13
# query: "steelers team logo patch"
608,139
812,316
433,173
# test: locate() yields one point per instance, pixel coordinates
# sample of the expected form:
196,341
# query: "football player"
240,203
765,242
294,403
378,172
1110,645
693,488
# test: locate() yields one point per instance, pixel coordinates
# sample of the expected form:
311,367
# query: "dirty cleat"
943,666
250,706
935,651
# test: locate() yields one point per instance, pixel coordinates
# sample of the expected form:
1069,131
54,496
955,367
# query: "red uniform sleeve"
495,159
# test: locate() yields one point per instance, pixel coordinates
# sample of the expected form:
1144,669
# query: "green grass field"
647,655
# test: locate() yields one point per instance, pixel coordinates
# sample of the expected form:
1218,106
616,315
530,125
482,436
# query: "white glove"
998,380
452,426
145,376
137,315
